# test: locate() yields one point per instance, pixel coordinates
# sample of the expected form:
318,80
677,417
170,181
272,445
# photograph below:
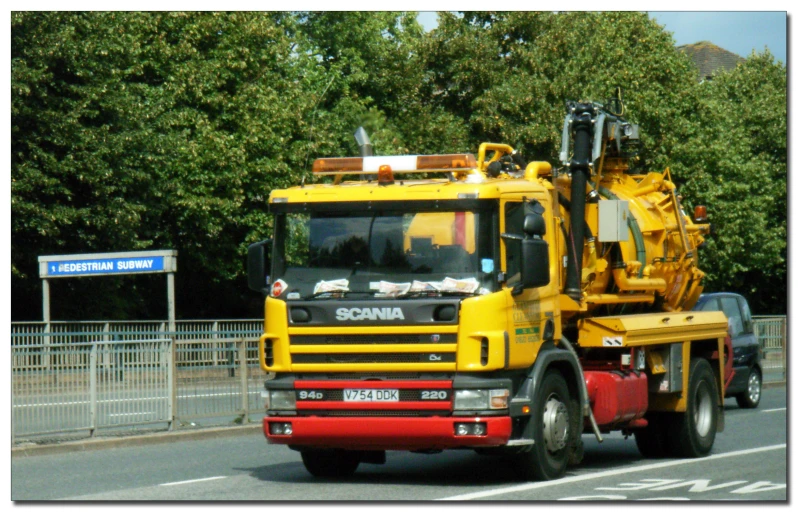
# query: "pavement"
100,443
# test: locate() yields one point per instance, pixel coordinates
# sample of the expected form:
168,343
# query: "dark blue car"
746,386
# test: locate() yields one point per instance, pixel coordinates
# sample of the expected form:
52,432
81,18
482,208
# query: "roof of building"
710,58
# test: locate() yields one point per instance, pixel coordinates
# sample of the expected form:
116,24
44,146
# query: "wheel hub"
754,387
703,410
555,424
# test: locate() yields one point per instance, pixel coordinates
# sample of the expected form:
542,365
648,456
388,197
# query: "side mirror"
534,224
258,263
534,261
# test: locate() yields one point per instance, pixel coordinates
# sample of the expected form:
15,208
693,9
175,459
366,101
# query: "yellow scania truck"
483,302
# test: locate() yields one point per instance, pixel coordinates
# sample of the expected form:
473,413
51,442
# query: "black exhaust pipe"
582,128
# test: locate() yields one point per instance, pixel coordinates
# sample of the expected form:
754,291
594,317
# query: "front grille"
373,358
373,339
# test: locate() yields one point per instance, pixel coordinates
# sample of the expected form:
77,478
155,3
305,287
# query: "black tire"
692,433
555,425
651,441
749,399
330,463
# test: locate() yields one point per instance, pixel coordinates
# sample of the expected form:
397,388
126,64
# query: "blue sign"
106,266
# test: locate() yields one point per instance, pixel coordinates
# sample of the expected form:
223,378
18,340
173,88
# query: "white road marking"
775,410
602,474
193,481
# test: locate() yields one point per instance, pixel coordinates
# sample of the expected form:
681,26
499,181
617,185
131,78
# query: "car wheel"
749,399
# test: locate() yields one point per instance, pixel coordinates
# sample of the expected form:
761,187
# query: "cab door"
531,307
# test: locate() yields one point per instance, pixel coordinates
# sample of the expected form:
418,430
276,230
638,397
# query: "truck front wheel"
553,424
330,463
692,433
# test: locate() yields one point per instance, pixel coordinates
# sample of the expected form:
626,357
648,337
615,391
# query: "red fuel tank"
616,397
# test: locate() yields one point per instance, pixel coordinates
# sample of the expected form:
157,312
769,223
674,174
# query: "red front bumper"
387,433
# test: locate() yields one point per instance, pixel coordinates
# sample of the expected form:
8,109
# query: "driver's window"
513,224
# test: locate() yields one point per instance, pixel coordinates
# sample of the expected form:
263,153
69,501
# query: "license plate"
371,395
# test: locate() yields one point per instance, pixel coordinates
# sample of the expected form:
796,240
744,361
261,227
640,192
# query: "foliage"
156,130
509,75
150,130
736,164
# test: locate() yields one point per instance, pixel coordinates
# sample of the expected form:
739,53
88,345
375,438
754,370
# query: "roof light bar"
398,164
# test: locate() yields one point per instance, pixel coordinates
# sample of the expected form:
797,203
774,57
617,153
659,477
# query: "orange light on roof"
461,161
328,165
700,214
385,175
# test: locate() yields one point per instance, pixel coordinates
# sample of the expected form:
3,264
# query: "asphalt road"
748,462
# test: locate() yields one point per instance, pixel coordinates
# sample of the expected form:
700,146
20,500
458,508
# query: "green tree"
152,130
375,76
509,74
735,163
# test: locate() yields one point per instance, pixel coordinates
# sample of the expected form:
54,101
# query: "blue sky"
737,32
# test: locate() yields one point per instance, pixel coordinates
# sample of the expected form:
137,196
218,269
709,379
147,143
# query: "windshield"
384,253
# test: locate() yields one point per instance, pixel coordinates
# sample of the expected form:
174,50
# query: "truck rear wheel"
552,422
692,433
330,463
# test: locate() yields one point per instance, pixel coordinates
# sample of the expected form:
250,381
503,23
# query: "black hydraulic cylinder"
582,127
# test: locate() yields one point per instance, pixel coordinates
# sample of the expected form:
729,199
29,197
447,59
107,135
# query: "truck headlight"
480,399
280,399
470,399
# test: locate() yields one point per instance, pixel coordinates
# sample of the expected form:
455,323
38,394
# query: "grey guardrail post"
93,390
784,348
242,361
171,376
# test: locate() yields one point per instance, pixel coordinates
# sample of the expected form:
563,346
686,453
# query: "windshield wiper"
434,293
334,294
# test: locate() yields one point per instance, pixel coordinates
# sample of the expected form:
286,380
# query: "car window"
710,305
731,308
748,324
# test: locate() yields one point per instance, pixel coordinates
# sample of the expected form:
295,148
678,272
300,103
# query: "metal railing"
91,385
771,331
84,376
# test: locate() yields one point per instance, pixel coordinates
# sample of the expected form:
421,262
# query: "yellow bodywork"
659,259
660,255
651,329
